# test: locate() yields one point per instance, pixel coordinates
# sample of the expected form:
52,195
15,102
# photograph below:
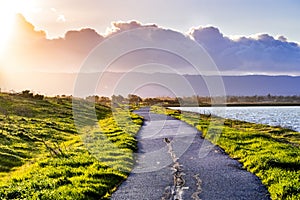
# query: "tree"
134,99
27,93
39,96
104,100
92,98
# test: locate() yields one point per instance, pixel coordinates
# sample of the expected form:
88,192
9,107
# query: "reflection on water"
285,116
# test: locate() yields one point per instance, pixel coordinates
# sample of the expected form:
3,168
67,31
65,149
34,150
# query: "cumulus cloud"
130,25
282,38
260,53
117,27
35,52
23,30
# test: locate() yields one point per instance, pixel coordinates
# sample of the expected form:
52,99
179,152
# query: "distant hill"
257,85
63,83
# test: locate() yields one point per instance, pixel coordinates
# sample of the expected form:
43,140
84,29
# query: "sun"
6,23
8,11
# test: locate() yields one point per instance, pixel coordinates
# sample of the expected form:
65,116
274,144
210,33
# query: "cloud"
23,30
260,53
83,40
282,38
37,53
120,26
61,18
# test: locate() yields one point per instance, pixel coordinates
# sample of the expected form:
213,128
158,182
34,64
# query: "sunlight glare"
8,11
6,23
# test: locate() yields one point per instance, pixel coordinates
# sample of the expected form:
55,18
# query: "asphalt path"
174,162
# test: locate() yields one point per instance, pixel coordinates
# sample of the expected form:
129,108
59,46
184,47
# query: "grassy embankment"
42,156
272,153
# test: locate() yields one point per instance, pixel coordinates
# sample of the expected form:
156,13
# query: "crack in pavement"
176,191
195,195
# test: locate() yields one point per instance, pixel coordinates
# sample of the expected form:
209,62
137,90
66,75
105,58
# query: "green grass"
43,155
272,153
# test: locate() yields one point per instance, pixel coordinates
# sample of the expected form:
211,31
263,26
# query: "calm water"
285,116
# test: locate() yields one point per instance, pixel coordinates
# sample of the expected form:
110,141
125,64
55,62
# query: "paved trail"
169,166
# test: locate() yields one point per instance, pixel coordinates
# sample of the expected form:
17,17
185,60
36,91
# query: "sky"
241,36
233,17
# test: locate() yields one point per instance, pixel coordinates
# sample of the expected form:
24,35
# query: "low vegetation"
44,156
272,153
268,100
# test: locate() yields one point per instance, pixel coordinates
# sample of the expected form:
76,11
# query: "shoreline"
234,105
276,122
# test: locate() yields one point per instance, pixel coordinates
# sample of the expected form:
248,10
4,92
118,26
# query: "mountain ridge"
63,83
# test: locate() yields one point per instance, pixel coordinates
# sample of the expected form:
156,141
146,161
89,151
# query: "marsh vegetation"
43,156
